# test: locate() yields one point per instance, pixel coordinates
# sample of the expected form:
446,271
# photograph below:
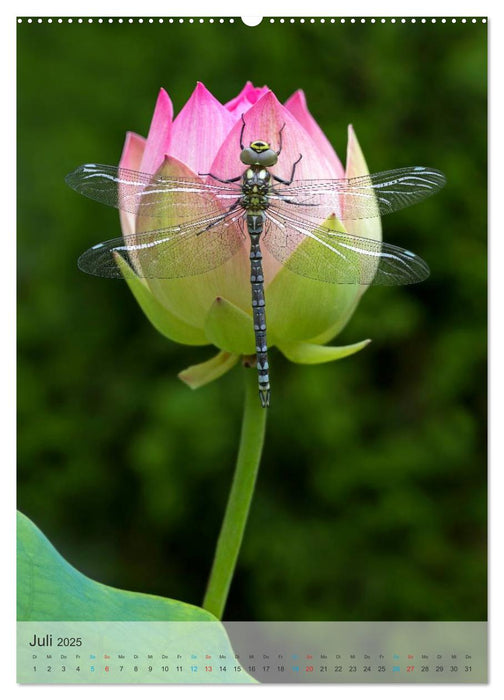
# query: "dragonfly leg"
220,219
296,204
219,179
279,136
288,182
241,132
280,140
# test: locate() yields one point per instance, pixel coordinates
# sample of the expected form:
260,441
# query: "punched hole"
251,21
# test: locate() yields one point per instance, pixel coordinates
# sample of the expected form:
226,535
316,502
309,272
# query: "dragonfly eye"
254,156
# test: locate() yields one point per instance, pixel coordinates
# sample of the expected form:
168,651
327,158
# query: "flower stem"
240,497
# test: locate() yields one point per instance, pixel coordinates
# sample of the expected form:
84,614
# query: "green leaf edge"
49,588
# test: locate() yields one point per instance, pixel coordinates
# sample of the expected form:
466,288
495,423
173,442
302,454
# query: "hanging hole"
251,21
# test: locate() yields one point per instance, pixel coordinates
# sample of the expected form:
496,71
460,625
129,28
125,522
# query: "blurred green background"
371,498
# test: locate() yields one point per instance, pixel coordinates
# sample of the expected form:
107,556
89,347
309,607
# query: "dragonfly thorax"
256,187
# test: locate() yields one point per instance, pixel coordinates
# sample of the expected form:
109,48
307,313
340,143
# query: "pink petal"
242,96
131,158
132,152
355,162
199,130
244,101
263,121
158,140
296,104
356,166
190,297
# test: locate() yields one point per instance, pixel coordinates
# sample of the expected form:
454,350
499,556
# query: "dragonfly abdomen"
258,308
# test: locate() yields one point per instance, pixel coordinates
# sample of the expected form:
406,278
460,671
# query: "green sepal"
163,320
332,331
230,328
300,308
311,354
185,292
206,372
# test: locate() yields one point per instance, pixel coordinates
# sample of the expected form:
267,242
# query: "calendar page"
251,349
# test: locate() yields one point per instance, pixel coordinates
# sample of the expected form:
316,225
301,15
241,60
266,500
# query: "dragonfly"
206,222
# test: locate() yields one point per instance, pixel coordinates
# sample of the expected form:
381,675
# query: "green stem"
240,497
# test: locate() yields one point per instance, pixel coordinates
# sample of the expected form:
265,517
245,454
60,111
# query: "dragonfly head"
259,153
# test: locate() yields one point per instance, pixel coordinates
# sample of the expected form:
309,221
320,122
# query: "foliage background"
371,500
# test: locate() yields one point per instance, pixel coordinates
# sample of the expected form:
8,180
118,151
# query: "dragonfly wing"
167,253
363,197
332,256
149,195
